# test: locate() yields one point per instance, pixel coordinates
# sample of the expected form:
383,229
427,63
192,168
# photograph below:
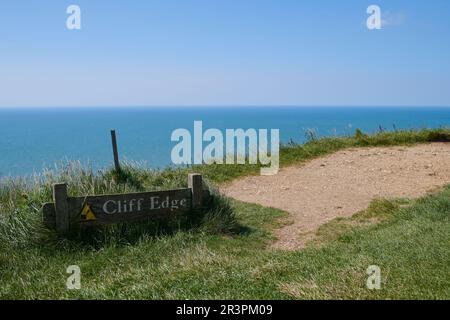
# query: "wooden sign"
106,209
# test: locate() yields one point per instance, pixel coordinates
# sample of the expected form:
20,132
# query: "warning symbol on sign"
87,214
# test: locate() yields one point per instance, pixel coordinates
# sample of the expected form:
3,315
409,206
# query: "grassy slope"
409,243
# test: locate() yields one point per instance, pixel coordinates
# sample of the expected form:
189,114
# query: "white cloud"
390,19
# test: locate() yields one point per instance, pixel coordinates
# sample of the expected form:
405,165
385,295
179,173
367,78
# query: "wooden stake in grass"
115,152
196,185
61,207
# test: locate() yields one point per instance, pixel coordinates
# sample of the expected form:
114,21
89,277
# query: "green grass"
224,253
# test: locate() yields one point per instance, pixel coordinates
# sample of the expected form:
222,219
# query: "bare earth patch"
343,183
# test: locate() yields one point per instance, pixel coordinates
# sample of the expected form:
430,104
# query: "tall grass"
21,200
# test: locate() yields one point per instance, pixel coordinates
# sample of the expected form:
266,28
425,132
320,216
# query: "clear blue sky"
224,52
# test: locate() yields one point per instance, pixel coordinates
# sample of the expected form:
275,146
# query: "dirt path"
343,183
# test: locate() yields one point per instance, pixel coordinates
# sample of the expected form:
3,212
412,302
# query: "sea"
34,139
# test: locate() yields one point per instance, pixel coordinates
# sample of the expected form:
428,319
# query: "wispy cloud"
392,19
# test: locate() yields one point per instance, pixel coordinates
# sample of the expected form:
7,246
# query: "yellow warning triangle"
87,214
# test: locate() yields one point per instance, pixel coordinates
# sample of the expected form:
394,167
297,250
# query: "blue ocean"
35,138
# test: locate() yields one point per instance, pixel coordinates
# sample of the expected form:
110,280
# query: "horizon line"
220,106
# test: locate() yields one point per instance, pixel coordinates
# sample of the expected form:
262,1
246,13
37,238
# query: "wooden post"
61,207
48,213
196,185
115,152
